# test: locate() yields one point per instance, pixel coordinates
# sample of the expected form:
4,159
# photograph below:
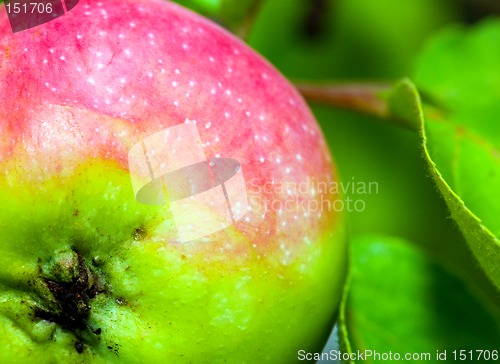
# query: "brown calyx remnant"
69,306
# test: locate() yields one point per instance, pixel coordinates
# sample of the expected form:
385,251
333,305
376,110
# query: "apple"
88,272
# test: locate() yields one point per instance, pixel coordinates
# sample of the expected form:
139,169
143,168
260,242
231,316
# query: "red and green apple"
90,274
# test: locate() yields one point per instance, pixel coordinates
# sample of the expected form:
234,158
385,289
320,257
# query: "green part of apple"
146,301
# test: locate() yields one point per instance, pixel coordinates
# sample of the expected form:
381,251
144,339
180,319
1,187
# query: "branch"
395,103
365,98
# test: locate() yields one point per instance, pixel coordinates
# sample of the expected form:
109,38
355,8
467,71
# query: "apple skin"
76,94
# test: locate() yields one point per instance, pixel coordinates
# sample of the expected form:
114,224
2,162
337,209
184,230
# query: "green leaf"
460,73
401,301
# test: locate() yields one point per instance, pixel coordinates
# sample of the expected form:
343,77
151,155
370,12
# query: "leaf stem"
365,98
